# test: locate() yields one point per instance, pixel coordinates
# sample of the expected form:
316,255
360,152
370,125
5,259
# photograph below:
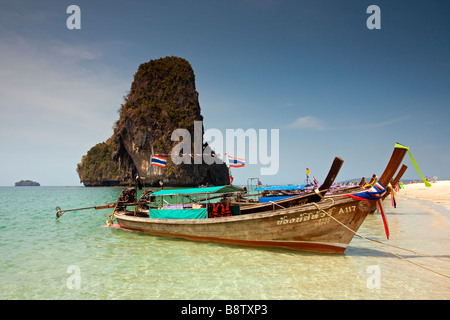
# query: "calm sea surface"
40,257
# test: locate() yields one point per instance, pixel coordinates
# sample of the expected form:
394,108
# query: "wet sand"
438,193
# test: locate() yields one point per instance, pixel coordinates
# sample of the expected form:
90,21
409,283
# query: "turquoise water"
40,257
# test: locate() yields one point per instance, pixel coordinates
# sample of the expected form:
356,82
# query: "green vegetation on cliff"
98,165
162,97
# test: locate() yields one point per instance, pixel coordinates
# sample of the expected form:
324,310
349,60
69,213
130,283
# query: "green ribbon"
427,184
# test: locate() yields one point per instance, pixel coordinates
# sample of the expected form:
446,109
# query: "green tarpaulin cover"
179,213
220,189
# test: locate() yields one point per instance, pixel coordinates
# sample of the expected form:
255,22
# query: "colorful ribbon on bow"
377,192
398,145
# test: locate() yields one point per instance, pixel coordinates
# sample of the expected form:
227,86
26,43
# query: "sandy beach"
439,192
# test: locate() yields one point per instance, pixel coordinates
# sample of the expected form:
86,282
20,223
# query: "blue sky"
311,69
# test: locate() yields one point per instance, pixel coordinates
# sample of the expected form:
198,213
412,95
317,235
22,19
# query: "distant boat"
274,193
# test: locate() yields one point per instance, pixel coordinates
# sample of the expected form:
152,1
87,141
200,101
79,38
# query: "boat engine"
127,195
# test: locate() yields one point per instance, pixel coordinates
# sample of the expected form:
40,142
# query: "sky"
312,70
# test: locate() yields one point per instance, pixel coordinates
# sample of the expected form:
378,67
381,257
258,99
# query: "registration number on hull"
321,217
348,209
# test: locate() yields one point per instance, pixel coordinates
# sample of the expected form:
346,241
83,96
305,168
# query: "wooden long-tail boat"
314,196
324,226
399,175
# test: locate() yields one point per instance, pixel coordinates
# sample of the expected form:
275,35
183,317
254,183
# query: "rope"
83,224
378,242
110,219
277,204
404,249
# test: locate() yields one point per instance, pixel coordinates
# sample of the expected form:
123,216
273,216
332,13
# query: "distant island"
27,183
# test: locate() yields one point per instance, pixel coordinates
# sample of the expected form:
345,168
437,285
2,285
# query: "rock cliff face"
162,99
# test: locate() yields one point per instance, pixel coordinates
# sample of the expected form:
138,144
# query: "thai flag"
158,161
235,162
316,183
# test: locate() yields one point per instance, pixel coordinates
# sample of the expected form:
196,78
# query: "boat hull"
328,226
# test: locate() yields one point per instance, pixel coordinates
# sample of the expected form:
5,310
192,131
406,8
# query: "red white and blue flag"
316,183
377,192
236,162
158,161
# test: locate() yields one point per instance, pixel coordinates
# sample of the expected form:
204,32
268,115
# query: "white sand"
439,192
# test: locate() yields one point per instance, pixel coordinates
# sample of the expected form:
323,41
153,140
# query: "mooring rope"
379,242
83,224
413,251
273,203
110,219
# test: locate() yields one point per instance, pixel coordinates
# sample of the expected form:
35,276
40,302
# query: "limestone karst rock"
162,98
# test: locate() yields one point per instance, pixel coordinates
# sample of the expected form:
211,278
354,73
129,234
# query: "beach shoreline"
439,192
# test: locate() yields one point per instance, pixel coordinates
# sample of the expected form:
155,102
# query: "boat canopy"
190,191
276,188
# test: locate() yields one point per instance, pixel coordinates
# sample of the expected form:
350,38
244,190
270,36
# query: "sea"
76,257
